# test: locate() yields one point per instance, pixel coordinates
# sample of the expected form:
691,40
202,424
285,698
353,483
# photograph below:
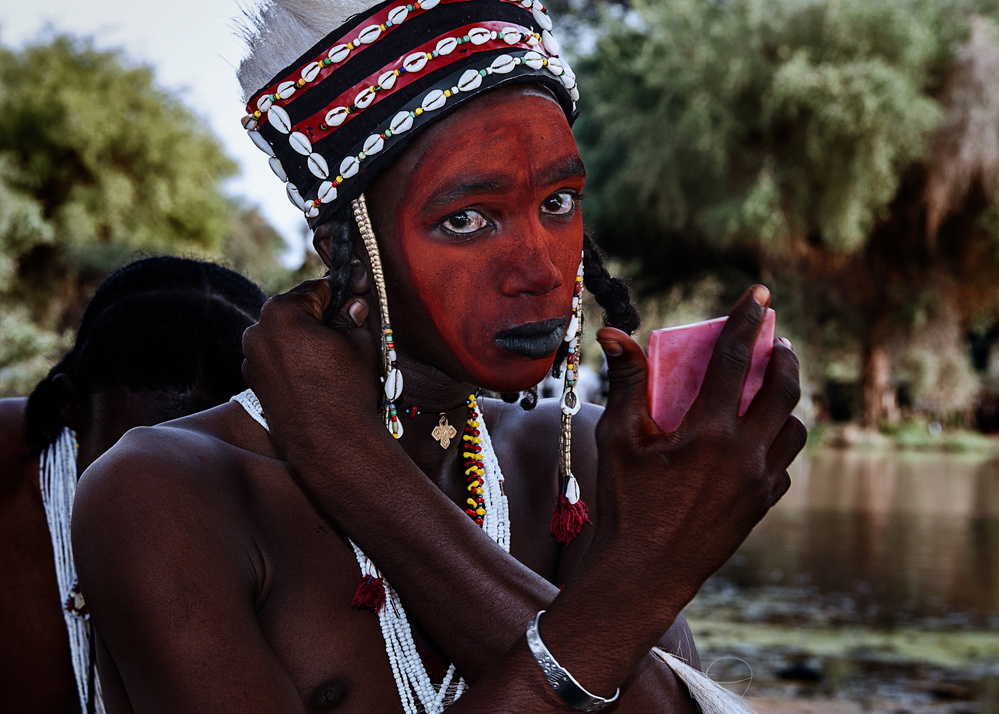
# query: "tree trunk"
880,396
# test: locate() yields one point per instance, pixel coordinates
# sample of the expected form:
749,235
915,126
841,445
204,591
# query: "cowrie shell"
398,14
277,168
415,62
261,142
478,35
279,119
503,64
373,144
335,116
369,34
550,43
401,122
572,490
339,53
249,122
435,99
534,60
364,98
286,89
470,80
555,66
393,384
300,143
327,192
511,35
264,103
349,166
311,209
318,166
569,402
446,46
570,332
541,17
311,71
429,4
387,80
295,197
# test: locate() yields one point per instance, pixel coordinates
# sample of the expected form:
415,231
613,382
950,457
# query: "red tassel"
568,519
370,594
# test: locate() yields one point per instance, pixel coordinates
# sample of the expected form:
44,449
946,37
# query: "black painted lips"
534,340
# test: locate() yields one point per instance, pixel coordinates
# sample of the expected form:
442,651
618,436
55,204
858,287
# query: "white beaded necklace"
418,694
57,480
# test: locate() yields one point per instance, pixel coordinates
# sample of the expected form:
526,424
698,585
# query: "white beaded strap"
57,481
418,694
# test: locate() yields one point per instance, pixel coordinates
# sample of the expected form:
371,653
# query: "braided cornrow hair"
612,294
162,324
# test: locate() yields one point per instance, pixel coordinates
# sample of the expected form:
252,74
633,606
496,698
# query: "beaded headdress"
345,110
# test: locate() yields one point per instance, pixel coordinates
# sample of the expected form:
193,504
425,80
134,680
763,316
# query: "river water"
873,585
894,536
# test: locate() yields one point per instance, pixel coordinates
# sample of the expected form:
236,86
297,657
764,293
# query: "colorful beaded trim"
283,92
430,56
468,80
474,469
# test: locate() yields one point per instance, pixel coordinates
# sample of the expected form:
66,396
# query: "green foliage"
96,163
758,123
98,166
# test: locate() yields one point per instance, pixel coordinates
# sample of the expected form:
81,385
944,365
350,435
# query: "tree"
97,166
795,140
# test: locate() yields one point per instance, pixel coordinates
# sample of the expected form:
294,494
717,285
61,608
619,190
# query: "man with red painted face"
299,555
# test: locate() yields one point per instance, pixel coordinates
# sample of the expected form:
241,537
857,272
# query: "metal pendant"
444,432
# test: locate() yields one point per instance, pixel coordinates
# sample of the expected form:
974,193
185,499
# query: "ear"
322,241
72,411
360,273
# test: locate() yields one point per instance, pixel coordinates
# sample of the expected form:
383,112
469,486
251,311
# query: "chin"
515,377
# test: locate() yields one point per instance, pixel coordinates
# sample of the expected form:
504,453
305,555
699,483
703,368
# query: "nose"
529,267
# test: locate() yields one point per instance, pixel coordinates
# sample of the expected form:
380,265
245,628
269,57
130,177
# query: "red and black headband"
345,110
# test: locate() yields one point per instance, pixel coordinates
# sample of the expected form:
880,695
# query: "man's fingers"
353,313
788,444
726,373
627,373
778,395
312,295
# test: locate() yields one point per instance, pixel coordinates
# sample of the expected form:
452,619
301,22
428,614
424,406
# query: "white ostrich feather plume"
277,32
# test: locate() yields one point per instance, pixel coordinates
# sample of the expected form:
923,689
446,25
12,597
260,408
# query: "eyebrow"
570,167
469,188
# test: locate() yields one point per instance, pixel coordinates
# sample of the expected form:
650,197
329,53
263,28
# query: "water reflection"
906,535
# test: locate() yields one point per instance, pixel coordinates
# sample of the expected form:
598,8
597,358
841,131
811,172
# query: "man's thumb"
627,373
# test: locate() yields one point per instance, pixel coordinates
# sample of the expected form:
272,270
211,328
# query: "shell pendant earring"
570,512
391,376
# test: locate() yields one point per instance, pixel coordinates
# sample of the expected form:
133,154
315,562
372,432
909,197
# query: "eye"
465,222
560,204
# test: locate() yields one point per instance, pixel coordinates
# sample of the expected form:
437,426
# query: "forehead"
511,130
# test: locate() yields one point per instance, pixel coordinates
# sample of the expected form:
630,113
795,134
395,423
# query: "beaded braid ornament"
570,512
418,694
391,376
57,479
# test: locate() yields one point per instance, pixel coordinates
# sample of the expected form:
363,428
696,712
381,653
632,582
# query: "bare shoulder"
14,454
158,496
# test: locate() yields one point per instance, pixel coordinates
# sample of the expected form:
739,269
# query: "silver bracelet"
565,684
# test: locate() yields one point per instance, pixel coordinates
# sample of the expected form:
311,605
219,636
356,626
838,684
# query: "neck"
431,392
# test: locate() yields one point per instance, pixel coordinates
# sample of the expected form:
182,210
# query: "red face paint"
481,235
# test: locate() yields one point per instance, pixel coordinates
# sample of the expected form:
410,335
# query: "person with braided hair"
160,339
363,530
